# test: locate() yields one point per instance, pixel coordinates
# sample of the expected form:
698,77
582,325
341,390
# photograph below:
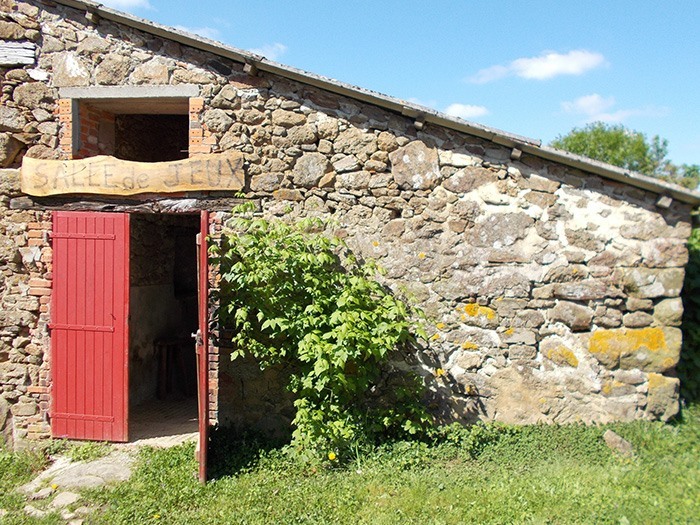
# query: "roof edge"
525,144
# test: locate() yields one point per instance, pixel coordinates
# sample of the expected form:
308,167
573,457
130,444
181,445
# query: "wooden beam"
162,205
104,175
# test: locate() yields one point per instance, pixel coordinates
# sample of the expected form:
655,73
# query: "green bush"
290,294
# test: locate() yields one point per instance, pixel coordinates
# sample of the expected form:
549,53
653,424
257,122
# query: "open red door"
203,346
89,326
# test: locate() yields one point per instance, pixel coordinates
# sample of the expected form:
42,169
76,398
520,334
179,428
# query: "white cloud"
270,51
596,108
543,67
207,32
466,111
127,4
588,104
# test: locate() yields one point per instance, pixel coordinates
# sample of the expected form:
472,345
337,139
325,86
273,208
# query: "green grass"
486,474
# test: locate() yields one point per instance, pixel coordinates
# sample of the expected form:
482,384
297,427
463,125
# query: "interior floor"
163,423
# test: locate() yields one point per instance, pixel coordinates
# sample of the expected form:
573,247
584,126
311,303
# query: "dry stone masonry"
552,293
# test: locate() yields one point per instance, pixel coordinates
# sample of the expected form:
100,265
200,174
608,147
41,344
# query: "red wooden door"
203,346
89,326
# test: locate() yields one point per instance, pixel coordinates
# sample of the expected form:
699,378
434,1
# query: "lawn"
486,474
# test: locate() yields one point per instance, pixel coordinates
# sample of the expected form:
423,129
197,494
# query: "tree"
629,149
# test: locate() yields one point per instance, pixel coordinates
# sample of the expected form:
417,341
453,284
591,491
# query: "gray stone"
113,70
538,183
586,290
649,283
575,316
302,135
662,253
500,229
9,148
353,141
227,98
286,194
662,397
42,494
42,152
93,44
32,511
618,444
634,303
155,71
11,119
356,180
415,166
11,31
584,239
309,169
266,182
468,179
637,319
217,120
34,94
669,312
69,70
64,499
520,336
287,119
346,163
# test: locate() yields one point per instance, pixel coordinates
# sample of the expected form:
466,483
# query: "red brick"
39,291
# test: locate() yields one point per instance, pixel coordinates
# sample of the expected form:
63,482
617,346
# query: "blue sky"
535,68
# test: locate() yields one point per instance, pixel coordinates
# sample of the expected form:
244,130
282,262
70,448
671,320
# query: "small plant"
88,451
292,295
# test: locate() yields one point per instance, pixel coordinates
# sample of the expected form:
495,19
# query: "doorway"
163,316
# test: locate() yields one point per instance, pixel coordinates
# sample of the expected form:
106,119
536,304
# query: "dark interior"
151,138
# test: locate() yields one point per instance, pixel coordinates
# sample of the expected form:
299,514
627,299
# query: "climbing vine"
292,295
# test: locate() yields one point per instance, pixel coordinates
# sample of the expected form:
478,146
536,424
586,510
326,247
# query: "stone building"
552,281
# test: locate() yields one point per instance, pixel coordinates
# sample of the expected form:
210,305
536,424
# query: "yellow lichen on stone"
475,310
509,331
616,342
468,345
562,356
643,348
656,381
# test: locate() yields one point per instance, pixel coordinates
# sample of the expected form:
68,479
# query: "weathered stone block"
217,120
500,229
575,316
266,182
637,319
9,148
11,119
155,71
309,169
557,351
70,70
415,166
652,349
468,179
33,94
113,69
287,119
662,396
669,312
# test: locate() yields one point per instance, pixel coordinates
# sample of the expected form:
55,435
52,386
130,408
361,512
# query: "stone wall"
552,294
25,288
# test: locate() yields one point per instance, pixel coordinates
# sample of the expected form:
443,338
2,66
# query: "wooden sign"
104,175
